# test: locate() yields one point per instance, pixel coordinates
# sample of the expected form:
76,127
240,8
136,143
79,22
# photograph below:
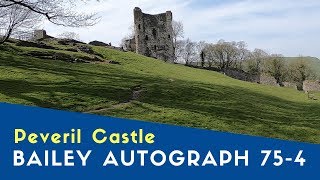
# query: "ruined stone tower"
39,34
153,35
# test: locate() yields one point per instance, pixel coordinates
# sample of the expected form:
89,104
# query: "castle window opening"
169,36
155,47
148,53
147,37
139,26
154,33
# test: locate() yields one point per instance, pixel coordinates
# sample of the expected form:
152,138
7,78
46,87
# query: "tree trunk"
202,55
6,36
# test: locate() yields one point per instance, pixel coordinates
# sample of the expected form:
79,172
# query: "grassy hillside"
172,94
314,62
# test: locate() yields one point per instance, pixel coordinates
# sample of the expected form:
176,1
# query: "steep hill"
314,62
138,87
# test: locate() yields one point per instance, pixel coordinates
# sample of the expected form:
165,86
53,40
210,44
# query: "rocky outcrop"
268,80
99,43
71,42
34,44
85,49
290,85
311,86
241,75
63,57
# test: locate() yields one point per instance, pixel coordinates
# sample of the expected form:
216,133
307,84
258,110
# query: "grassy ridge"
314,62
172,94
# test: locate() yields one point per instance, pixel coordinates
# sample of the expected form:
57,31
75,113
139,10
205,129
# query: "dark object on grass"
71,42
34,44
72,50
88,50
62,57
114,62
98,43
85,49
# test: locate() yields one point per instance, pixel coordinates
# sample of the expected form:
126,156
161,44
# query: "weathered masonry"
153,35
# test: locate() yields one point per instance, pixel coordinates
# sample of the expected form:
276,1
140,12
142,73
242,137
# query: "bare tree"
223,54
188,51
200,50
56,11
130,35
178,33
59,12
255,63
180,44
16,21
69,35
242,54
209,55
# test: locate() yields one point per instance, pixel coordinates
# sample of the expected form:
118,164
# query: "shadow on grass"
240,110
81,85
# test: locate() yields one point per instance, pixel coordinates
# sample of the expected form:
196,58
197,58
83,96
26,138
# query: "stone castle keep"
153,35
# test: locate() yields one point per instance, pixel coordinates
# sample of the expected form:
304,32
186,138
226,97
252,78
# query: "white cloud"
289,27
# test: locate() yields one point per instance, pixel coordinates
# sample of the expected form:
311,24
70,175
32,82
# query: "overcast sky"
289,27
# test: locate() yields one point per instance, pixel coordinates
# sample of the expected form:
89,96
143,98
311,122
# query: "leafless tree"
200,50
242,54
223,54
210,56
69,35
188,51
56,11
255,63
179,49
17,21
130,35
59,12
178,33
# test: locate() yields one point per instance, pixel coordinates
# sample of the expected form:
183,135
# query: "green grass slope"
172,94
314,62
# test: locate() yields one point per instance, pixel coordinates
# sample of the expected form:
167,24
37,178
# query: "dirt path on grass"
135,95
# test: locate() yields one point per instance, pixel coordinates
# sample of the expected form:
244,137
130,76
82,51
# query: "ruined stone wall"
130,45
268,80
290,85
153,35
242,75
39,34
309,86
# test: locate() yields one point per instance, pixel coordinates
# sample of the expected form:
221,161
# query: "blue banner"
39,143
